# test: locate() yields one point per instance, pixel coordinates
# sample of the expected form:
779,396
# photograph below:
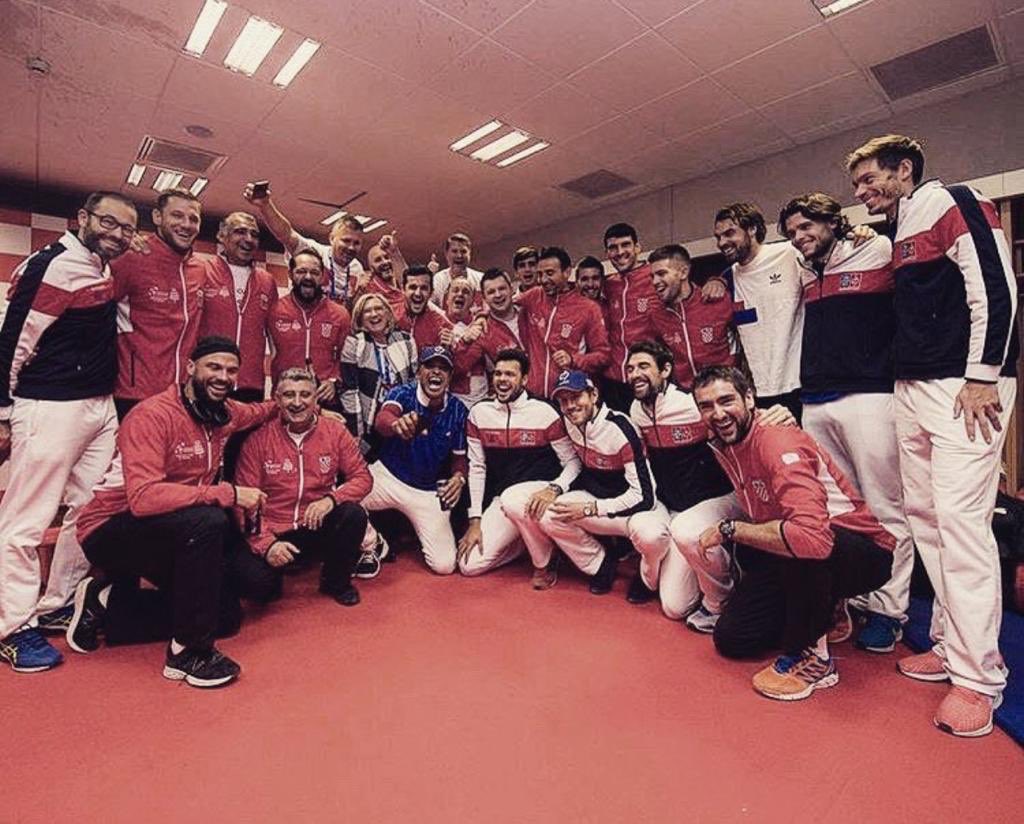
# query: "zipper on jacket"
302,483
184,324
547,355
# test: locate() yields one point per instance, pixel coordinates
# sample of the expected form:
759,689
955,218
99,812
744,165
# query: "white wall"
969,137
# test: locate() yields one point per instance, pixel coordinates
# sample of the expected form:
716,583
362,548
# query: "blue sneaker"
56,622
27,651
880,634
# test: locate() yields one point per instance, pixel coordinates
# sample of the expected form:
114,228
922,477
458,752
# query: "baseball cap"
572,381
429,353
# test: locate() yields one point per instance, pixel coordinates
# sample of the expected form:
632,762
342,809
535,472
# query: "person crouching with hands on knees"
798,558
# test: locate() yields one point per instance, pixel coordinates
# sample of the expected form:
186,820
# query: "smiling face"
622,252
379,261
459,298
458,254
734,242
814,239
104,241
213,376
497,294
345,243
240,237
880,189
434,376
509,380
307,276
670,278
375,316
177,223
589,281
644,376
553,277
526,272
577,407
726,412
417,293
296,402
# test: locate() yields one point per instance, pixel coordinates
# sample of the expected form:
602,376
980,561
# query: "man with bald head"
238,296
385,259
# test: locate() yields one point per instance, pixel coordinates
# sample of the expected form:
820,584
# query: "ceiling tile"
554,35
196,85
613,141
746,26
561,112
654,12
843,97
696,106
87,127
18,138
483,15
786,68
166,24
169,121
640,71
19,21
1011,27
471,79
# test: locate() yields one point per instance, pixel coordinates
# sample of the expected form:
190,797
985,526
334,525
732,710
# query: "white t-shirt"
770,316
240,275
342,279
444,278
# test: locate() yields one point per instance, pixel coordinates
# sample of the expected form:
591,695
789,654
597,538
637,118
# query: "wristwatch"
556,489
727,528
590,509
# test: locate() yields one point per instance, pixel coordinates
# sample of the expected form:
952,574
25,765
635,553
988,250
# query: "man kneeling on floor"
812,539
160,513
297,460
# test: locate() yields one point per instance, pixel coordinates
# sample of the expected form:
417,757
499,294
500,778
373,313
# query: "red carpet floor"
482,701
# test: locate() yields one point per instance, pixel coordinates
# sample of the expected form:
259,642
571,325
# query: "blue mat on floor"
1010,716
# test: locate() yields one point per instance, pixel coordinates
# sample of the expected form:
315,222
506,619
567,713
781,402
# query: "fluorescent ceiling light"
327,221
135,174
167,180
476,135
373,227
828,8
363,219
253,45
203,30
525,153
307,48
500,146
198,185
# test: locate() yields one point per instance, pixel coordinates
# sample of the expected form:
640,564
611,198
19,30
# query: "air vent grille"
167,154
597,184
938,64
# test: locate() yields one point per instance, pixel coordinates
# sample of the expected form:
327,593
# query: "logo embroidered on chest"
642,304
907,250
761,490
849,281
325,464
566,330
326,329
264,301
189,451
774,278
707,334
528,438
287,465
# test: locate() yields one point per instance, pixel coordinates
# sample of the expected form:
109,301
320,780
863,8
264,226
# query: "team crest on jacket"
642,305
264,301
679,434
849,281
287,465
566,330
325,464
185,451
707,334
326,329
761,490
908,250
775,277
528,438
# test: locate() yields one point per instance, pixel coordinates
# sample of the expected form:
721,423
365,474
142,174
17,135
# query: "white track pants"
859,432
714,575
949,489
576,538
60,450
663,567
500,541
423,509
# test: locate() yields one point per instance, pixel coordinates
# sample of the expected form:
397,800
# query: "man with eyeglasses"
57,419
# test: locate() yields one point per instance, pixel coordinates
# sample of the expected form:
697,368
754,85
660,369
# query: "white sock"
176,648
104,595
820,648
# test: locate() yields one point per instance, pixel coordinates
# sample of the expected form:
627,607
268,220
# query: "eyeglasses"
109,223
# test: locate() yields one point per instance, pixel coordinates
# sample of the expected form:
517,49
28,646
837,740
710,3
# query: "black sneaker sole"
81,594
175,674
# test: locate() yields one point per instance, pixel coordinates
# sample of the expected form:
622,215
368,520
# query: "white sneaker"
701,620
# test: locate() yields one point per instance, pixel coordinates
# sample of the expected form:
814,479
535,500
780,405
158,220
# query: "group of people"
773,443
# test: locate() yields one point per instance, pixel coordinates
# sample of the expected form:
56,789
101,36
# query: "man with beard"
297,461
698,332
238,298
614,485
563,329
458,251
418,316
339,258
807,539
469,385
956,350
160,513
160,294
382,259
421,471
590,281
57,417
524,267
520,461
306,329
631,300
501,328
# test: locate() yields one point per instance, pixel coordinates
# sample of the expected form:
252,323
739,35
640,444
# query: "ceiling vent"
166,154
938,64
597,184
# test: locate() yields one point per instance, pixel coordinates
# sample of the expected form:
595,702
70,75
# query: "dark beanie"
214,343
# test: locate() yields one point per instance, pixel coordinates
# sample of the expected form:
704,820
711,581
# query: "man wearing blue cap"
615,483
421,470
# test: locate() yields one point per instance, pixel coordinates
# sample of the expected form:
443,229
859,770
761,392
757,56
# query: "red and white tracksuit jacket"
780,473
392,293
697,333
567,322
246,325
426,327
481,353
304,335
630,300
166,461
469,380
294,475
160,301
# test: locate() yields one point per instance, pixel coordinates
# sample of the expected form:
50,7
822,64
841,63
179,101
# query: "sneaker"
639,592
880,634
793,677
83,632
368,565
703,620
602,581
56,622
200,667
383,549
27,651
842,623
966,713
545,577
347,595
925,666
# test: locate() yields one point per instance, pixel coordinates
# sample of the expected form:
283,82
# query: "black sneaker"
639,592
346,595
200,667
368,565
83,633
601,582
56,622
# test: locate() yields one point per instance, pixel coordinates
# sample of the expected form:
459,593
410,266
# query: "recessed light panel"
498,144
204,27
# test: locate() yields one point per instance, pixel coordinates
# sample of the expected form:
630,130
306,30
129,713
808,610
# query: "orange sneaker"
966,713
545,577
792,677
925,666
842,623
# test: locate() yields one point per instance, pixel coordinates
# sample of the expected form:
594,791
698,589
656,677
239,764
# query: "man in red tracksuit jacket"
502,327
811,538
418,316
697,332
297,460
564,330
160,513
160,301
238,297
308,329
